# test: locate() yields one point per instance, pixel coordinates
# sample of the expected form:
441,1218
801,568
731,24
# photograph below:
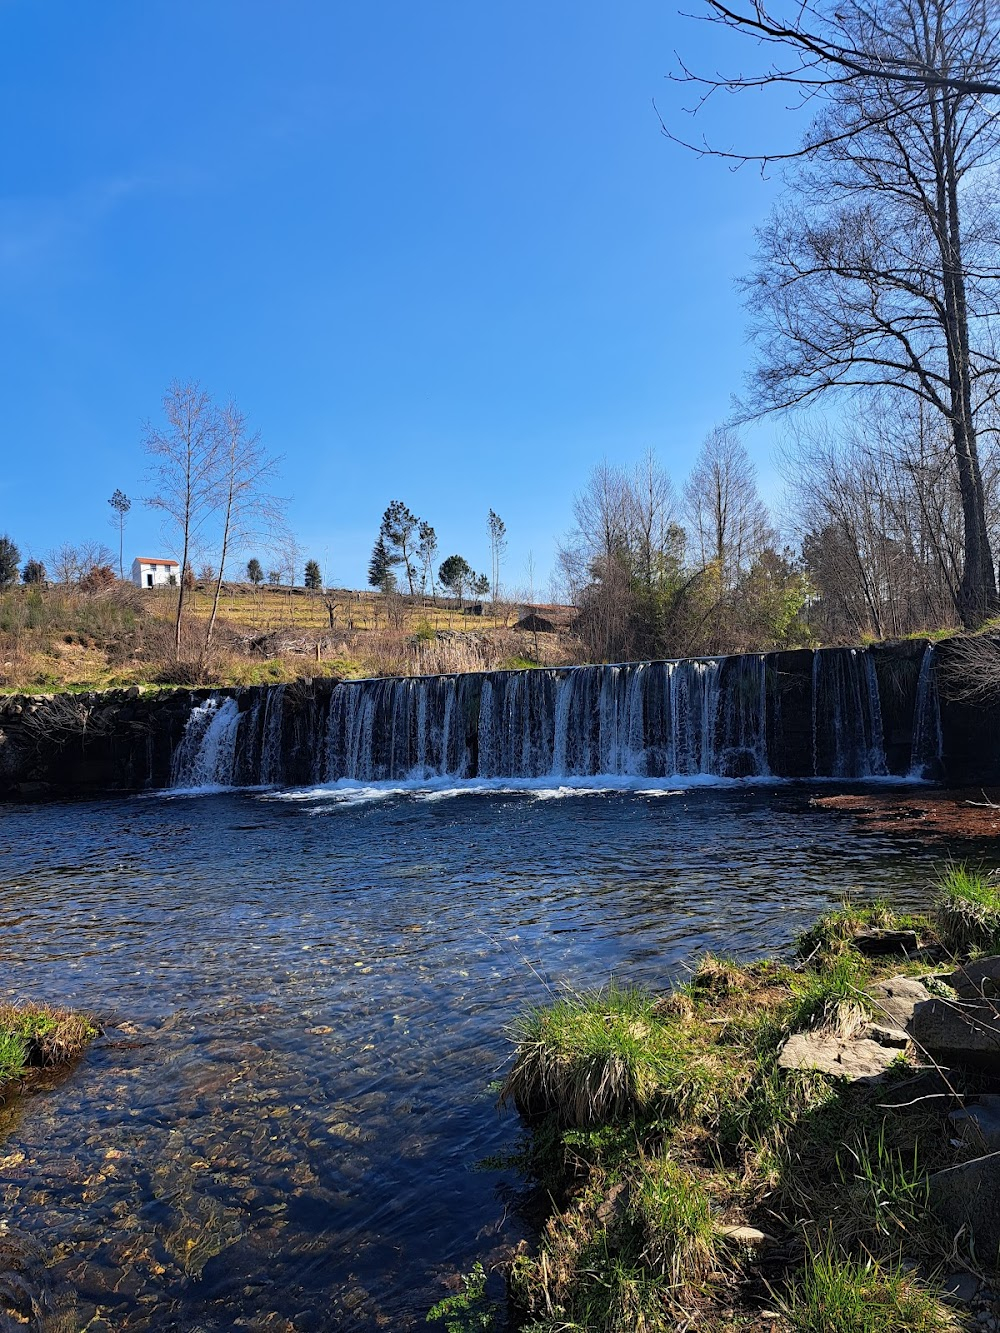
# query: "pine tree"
255,572
313,577
33,572
380,571
10,558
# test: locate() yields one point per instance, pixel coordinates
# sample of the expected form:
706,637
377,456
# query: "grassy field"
59,638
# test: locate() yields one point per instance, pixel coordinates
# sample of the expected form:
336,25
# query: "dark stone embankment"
122,740
889,710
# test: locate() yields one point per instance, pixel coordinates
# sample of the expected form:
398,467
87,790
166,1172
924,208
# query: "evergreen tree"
455,575
33,572
10,559
255,572
399,534
380,571
121,504
313,577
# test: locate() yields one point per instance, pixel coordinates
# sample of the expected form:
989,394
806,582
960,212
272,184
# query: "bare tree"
498,545
248,510
185,473
885,272
728,523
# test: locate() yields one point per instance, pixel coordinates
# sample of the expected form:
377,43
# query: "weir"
847,714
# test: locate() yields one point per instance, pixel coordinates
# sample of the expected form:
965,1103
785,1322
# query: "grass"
655,1119
39,1037
967,909
831,998
834,1293
589,1060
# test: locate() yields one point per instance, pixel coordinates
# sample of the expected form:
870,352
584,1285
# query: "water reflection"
281,1128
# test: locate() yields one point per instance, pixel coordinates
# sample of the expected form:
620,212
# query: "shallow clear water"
306,995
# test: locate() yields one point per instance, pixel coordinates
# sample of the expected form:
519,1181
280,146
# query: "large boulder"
965,1199
961,1032
975,980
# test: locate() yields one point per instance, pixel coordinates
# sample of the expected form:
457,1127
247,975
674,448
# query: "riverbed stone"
853,1059
965,1198
974,980
979,1124
962,1032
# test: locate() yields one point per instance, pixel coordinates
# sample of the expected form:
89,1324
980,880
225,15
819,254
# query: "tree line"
409,545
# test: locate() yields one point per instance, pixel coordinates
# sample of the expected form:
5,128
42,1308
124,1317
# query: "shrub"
967,909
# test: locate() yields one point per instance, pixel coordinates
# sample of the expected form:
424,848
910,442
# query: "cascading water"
207,752
848,741
927,746
755,715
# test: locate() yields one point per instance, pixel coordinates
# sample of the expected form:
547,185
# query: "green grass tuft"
673,1214
837,1294
833,999
608,1056
967,909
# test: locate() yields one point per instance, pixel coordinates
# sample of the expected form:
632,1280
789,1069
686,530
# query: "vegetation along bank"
802,1146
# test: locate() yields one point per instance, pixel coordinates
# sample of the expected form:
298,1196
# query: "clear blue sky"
439,252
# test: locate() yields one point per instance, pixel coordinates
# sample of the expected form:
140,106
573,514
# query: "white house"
153,572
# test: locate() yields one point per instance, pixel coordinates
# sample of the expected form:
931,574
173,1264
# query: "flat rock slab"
854,1059
973,980
960,1032
965,1197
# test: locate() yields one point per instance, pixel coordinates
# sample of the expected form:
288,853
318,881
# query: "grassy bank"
36,1037
696,1182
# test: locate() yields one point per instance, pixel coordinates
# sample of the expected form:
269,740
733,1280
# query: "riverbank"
802,1146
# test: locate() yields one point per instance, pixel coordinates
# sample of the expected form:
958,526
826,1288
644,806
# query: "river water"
305,995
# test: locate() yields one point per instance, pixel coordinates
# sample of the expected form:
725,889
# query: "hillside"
64,638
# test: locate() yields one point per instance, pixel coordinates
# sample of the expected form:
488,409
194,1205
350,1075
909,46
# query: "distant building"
155,572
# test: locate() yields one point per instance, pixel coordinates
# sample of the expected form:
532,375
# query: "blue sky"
439,252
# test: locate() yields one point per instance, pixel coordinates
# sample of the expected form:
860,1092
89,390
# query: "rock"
965,1198
960,1287
745,1235
874,943
896,1000
973,980
853,1059
979,1124
961,1032
930,1090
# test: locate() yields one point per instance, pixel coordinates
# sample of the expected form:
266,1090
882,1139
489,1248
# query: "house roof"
153,560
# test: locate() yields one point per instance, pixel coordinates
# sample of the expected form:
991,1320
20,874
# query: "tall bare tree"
884,272
185,454
247,509
728,525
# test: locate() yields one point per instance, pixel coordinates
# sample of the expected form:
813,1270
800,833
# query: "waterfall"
755,715
848,740
206,755
927,747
